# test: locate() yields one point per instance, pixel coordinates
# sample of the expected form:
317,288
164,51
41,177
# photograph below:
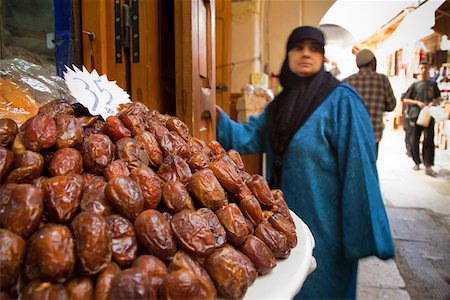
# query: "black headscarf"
298,100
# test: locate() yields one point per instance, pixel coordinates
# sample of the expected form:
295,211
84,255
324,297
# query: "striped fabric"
377,94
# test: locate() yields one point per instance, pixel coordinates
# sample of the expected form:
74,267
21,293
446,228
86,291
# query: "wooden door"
195,66
223,54
120,38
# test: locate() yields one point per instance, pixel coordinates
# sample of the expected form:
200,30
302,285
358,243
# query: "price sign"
99,95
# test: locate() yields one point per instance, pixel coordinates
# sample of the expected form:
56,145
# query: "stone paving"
418,208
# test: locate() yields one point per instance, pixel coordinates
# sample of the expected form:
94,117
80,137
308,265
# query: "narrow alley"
418,208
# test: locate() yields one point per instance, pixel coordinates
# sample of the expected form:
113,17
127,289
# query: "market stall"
106,198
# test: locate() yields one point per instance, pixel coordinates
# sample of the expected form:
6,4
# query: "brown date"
231,271
50,254
38,290
92,242
154,268
274,239
185,260
6,162
81,288
227,173
98,152
216,148
176,197
156,128
12,248
125,196
259,253
123,239
280,223
198,160
131,283
40,132
152,147
18,145
8,131
175,168
183,284
193,233
236,157
175,124
251,210
87,121
56,108
66,161
281,205
28,165
196,144
90,178
69,131
173,143
94,199
233,221
103,282
23,213
116,168
5,195
150,185
39,181
132,152
62,196
133,117
220,236
162,118
207,189
260,188
114,128
155,235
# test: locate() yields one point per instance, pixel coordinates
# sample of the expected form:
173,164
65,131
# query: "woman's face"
306,58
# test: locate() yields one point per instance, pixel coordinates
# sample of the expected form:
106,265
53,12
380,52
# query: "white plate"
286,279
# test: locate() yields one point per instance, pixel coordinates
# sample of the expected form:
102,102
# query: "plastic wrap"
25,86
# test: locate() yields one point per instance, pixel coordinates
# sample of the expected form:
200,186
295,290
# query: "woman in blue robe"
321,153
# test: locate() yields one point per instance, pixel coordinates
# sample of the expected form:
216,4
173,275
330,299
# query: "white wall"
245,36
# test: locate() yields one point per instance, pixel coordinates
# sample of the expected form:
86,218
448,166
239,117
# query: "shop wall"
260,29
283,17
245,49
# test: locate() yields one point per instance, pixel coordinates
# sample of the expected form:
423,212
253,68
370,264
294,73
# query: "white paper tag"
99,95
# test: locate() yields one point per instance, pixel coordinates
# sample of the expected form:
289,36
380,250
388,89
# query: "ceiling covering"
388,25
363,18
442,18
381,34
337,35
415,26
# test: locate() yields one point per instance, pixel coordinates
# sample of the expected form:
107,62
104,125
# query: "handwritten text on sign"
99,95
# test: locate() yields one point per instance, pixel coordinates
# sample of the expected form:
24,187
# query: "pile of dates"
132,207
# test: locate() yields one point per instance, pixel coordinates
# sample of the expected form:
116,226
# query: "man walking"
424,92
375,90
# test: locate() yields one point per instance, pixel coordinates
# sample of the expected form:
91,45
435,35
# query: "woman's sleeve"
365,226
246,138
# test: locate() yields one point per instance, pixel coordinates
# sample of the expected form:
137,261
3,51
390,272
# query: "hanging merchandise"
437,113
443,81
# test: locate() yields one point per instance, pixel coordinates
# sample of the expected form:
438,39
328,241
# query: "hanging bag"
424,117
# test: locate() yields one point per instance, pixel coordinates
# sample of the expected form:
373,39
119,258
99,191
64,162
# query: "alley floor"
418,207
